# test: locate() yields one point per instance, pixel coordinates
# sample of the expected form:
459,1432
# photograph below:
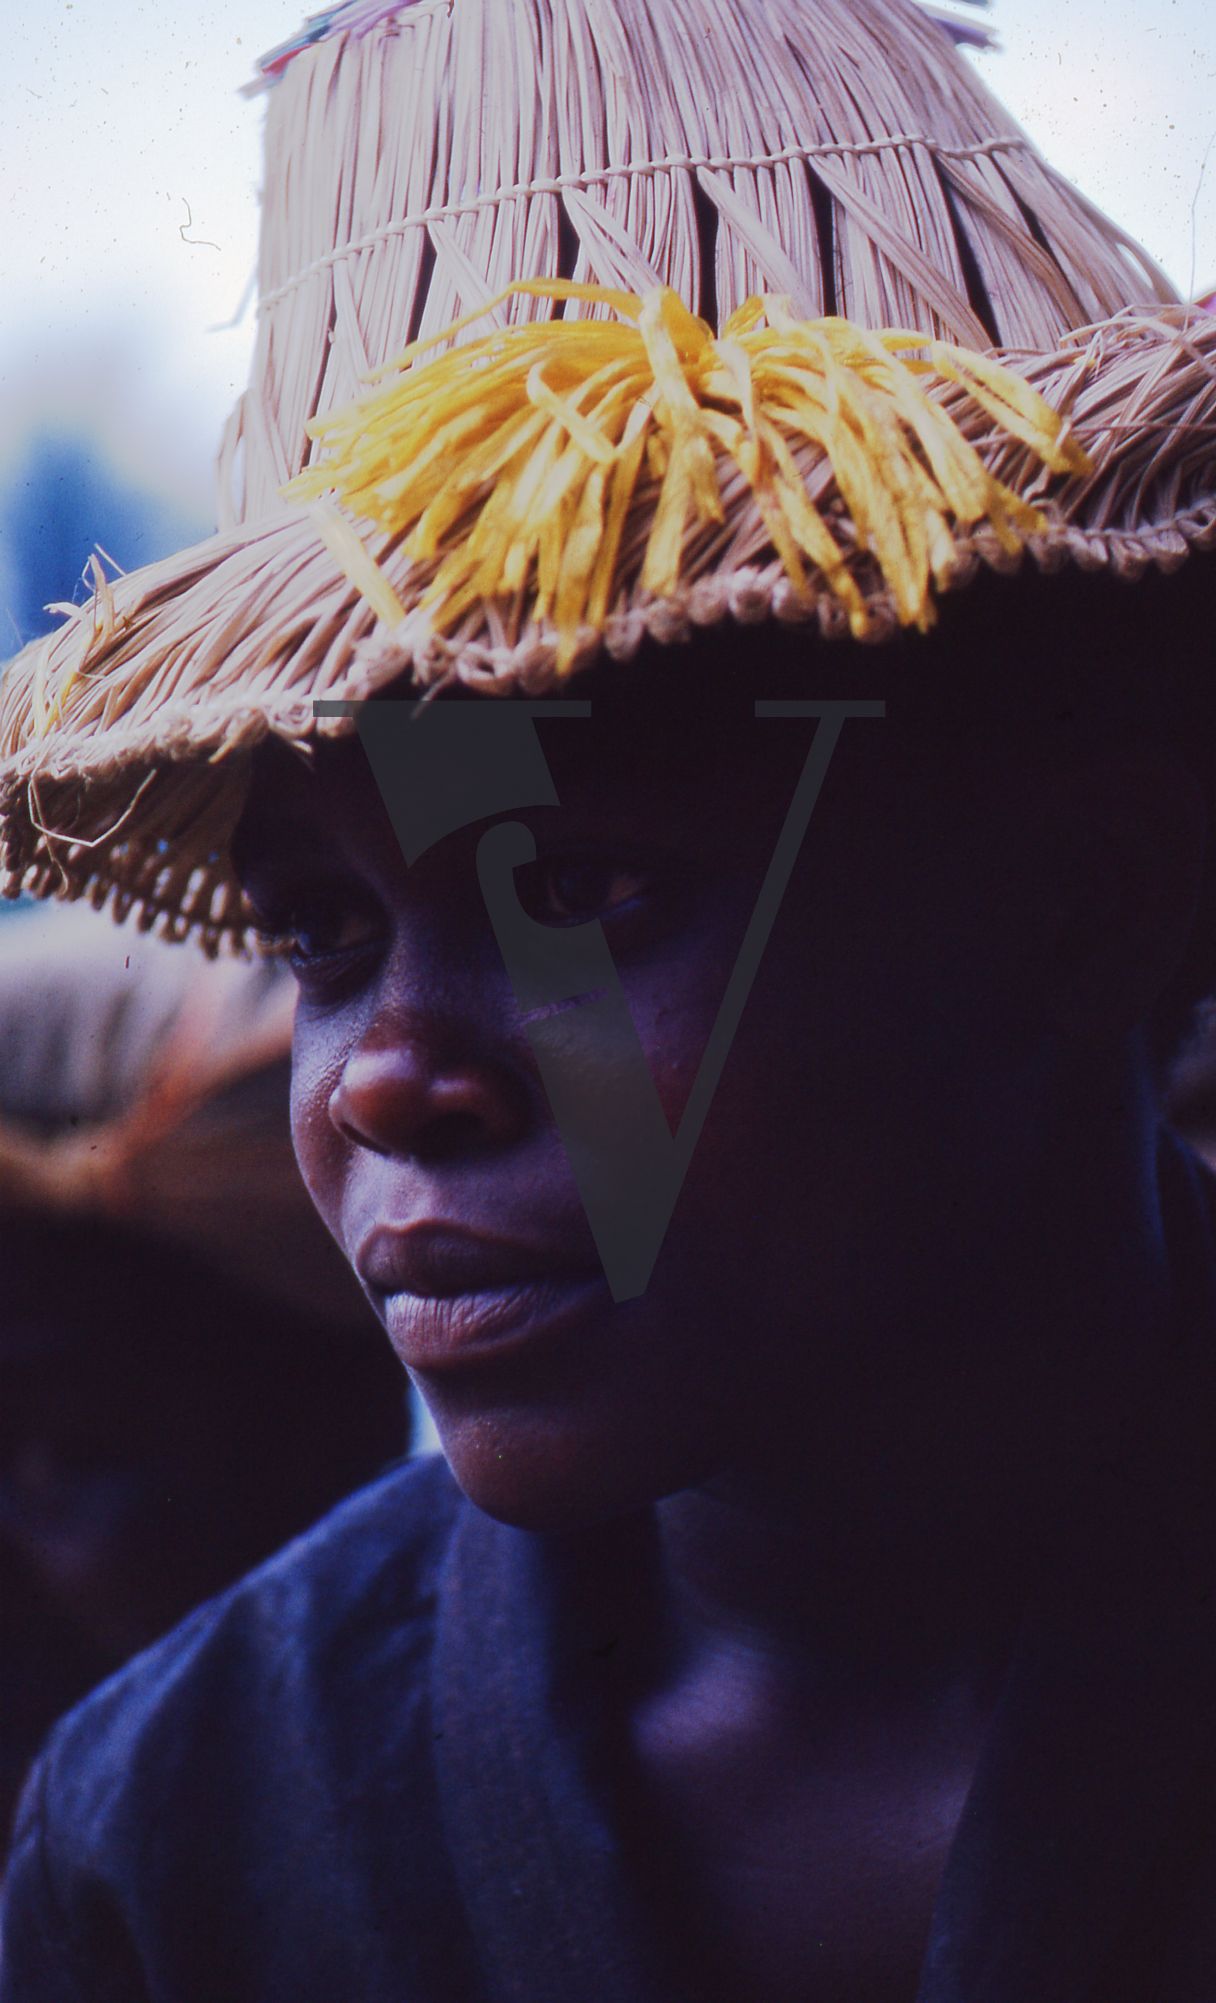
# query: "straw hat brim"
161,687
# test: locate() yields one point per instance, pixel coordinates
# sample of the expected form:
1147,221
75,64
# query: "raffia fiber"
719,152
191,679
515,459
835,151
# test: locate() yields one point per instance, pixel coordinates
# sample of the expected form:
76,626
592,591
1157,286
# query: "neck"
902,1504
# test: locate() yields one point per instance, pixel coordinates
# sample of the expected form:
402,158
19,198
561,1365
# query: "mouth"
451,1298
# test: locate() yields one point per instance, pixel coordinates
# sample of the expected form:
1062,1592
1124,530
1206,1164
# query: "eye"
320,932
570,890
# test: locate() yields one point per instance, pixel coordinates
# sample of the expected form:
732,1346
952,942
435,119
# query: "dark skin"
905,1301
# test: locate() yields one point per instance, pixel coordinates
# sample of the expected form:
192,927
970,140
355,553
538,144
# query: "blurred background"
131,167
189,1375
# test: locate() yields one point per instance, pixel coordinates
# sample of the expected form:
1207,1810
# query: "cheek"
675,1007
725,1238
673,1030
316,1067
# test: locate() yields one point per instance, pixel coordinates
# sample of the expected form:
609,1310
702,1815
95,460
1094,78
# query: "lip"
451,1297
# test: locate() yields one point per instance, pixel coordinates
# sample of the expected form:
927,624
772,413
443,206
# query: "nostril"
401,1098
383,1098
350,1131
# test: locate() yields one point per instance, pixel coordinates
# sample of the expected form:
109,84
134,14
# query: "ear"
1119,839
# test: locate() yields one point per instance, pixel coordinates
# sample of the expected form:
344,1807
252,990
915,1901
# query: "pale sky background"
130,169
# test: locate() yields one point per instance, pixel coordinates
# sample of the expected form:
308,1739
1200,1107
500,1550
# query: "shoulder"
370,1568
244,1735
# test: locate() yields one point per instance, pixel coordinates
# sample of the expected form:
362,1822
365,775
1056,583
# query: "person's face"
829,1159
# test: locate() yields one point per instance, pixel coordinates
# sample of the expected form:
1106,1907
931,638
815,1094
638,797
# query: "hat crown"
839,152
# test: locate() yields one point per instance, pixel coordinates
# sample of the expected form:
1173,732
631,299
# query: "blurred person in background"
188,1375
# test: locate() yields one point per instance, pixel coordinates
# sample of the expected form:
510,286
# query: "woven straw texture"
836,153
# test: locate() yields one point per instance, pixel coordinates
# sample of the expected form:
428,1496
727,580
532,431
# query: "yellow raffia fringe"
513,459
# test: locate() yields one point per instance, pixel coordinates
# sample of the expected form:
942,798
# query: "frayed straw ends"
183,668
513,461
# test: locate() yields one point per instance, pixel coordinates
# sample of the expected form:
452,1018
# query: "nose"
410,1091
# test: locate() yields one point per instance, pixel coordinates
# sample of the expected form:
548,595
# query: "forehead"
1009,678
686,759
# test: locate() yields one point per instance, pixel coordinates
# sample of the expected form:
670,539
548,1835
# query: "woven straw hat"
950,361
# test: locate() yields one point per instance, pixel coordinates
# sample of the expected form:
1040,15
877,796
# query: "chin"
535,1473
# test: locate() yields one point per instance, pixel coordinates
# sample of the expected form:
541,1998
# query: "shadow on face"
967,922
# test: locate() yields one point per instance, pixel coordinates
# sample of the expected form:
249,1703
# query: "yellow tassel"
514,460
348,552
